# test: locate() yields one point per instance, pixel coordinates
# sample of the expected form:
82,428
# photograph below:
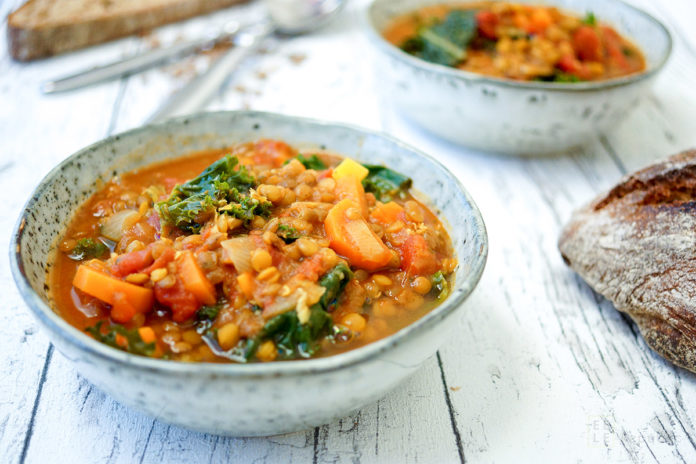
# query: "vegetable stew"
517,41
253,253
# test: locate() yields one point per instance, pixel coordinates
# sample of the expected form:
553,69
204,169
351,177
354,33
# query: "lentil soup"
253,253
516,41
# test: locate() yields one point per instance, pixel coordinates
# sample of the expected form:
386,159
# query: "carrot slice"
388,213
122,295
194,280
353,238
351,188
147,334
540,20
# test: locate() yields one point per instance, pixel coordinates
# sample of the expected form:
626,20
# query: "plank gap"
37,400
450,409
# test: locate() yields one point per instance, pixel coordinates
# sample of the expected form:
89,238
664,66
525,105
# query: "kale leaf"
334,282
205,318
244,207
190,204
440,286
294,339
312,162
385,183
590,19
445,41
288,233
559,76
134,344
87,248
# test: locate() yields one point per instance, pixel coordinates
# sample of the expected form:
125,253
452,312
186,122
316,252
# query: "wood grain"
541,368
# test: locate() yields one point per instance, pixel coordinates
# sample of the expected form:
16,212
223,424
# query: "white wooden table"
542,369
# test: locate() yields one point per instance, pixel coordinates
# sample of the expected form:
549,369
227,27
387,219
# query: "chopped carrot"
246,284
126,298
147,334
194,279
122,310
353,238
388,213
121,341
540,19
351,188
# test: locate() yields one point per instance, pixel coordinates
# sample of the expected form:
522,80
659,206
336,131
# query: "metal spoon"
138,62
285,17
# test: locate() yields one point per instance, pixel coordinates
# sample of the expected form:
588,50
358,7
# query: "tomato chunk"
134,261
586,44
272,153
416,256
487,22
183,303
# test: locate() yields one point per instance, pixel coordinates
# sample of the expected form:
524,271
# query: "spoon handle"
197,93
135,63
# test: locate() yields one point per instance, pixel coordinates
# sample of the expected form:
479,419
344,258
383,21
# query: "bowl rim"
589,86
83,342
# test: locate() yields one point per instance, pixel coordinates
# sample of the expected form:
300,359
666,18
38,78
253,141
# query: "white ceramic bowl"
236,399
506,116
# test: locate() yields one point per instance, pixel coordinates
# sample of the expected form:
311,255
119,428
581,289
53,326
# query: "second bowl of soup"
516,78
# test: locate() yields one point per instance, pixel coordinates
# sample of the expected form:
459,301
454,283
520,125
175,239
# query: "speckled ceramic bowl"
236,399
520,118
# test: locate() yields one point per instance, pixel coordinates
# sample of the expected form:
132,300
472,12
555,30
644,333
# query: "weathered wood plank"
540,338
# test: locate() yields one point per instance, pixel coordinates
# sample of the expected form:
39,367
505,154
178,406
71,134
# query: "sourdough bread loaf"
636,245
41,28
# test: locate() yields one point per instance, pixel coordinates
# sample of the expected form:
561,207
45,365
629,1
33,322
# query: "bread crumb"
297,58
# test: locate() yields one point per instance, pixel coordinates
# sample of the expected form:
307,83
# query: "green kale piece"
294,339
312,162
244,207
444,42
334,282
440,286
559,76
288,233
590,19
205,318
135,344
88,248
566,78
385,183
190,204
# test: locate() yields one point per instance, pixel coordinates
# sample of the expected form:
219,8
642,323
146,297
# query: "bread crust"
636,245
31,41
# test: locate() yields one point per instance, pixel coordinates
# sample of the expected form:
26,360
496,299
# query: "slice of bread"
41,28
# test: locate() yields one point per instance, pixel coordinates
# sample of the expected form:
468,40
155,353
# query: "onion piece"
116,224
299,289
237,252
